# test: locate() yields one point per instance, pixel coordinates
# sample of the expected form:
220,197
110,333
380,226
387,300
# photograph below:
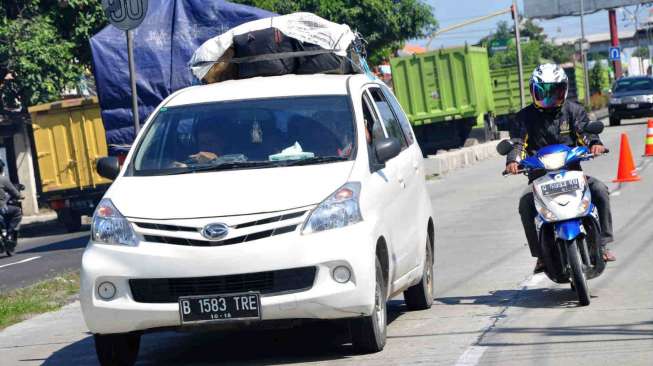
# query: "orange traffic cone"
626,171
648,144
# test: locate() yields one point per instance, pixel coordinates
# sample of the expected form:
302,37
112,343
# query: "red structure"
614,40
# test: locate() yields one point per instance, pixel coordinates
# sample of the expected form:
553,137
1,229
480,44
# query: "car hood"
227,193
632,93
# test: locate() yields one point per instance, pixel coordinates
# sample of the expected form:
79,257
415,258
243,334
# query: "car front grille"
168,290
216,243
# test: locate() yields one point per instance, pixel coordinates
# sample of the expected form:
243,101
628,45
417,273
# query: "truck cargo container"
69,138
445,93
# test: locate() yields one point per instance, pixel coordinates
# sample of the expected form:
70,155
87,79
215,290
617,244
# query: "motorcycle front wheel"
578,276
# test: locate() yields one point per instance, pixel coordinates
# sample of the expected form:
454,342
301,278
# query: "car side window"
388,117
401,116
372,124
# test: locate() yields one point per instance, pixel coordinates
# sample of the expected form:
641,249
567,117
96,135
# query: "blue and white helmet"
549,86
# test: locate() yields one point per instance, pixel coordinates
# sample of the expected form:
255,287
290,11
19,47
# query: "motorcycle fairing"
568,230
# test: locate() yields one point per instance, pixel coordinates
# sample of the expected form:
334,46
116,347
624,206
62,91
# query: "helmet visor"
549,95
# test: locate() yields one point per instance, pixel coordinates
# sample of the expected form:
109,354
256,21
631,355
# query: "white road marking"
473,354
23,261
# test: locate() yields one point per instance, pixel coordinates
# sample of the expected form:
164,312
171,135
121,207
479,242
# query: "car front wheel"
614,121
368,333
117,349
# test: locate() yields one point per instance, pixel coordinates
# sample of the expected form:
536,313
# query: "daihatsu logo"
215,231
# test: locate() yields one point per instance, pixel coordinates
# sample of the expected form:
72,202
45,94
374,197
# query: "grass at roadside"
51,294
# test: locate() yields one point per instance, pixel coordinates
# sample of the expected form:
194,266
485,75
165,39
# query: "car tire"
420,296
117,349
615,121
368,334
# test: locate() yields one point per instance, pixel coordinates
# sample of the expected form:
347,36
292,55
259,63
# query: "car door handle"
402,182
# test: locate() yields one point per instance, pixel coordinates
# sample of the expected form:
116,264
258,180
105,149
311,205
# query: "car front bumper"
622,110
352,246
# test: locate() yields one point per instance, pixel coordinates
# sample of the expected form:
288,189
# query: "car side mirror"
386,149
594,128
108,167
504,147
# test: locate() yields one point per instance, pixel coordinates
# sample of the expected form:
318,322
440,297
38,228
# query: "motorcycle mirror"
504,147
594,128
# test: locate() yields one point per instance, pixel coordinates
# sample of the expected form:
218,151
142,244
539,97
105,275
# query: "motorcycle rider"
551,119
10,214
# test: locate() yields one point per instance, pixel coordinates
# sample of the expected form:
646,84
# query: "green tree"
598,78
641,52
44,47
385,24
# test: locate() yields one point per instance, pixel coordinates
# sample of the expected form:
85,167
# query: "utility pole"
614,41
584,53
520,68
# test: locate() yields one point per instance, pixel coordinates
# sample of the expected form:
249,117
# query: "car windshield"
247,134
643,84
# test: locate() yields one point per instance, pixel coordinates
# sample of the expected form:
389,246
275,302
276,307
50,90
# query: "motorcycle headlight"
554,161
615,101
109,226
339,210
547,214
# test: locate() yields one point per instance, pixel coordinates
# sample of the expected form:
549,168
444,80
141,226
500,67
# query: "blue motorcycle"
567,222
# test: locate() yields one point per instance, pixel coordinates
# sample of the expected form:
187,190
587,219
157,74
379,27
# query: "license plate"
632,106
560,187
215,308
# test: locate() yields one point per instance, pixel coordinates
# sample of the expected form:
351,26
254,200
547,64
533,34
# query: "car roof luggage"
298,43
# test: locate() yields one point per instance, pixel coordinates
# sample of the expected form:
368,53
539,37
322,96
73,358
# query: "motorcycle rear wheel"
578,276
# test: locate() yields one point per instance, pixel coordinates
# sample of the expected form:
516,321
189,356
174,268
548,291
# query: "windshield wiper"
225,166
315,160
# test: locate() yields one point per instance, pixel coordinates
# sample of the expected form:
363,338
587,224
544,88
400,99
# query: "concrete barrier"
446,162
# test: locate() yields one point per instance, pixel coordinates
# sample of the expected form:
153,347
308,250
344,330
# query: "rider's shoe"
539,267
608,256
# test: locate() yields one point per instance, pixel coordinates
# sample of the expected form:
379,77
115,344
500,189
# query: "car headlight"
648,98
110,226
339,210
615,101
554,161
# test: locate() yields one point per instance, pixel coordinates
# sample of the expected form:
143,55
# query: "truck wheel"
117,349
614,121
490,128
578,276
71,220
420,296
368,333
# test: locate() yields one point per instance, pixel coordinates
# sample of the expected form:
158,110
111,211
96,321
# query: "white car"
264,199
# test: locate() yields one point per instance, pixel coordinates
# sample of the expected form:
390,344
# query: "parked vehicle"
261,200
632,97
445,94
567,222
9,241
69,138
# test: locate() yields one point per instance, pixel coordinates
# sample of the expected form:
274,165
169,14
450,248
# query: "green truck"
445,94
448,92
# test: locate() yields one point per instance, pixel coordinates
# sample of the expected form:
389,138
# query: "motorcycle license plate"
560,187
215,308
632,106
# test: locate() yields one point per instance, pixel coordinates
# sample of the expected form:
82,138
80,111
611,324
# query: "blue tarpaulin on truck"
163,45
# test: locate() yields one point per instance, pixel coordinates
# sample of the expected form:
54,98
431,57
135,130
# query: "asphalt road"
42,252
489,309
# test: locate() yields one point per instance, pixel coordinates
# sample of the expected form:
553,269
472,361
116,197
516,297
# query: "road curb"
440,164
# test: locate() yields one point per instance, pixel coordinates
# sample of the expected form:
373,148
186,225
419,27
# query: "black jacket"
7,191
534,128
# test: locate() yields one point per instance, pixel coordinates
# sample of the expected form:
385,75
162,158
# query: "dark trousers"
12,216
600,198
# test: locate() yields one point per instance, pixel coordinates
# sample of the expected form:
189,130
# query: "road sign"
125,14
615,54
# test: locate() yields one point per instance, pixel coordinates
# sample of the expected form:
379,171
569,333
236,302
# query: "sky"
450,12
